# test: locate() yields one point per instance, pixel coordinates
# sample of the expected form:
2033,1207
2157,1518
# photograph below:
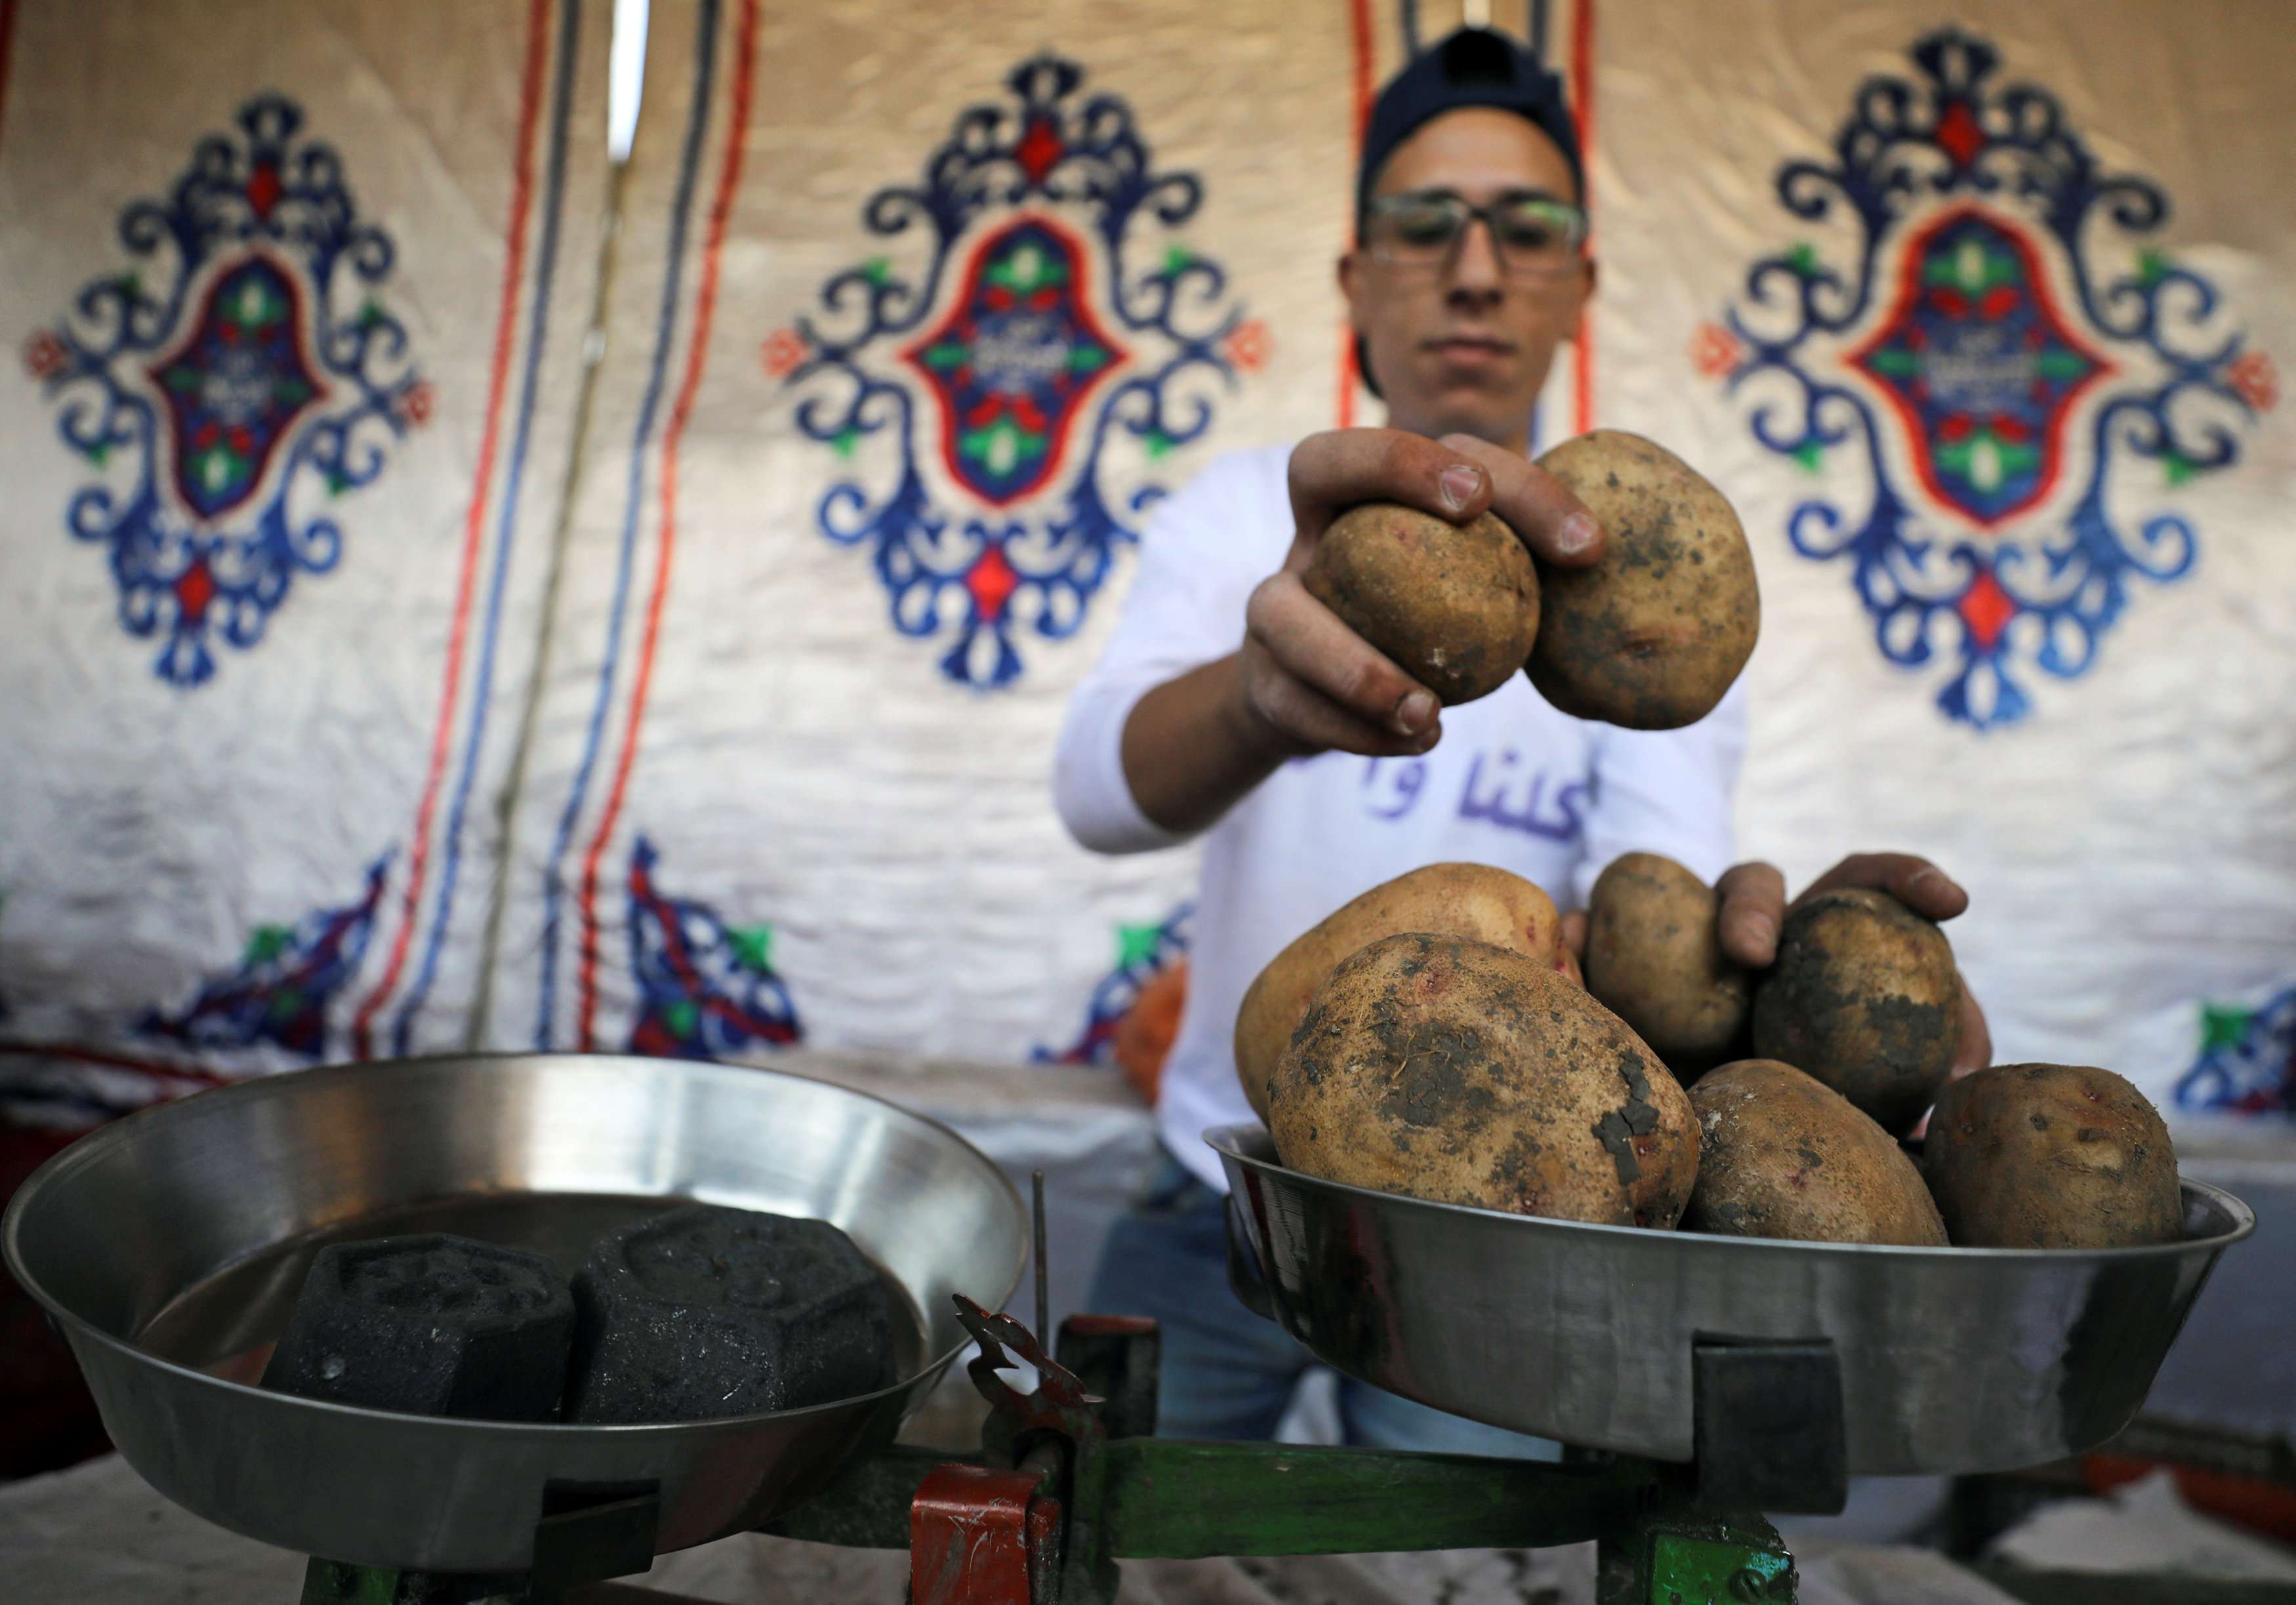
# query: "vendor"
1231,704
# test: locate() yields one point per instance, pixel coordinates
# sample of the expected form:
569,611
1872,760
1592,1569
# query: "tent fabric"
325,739
299,292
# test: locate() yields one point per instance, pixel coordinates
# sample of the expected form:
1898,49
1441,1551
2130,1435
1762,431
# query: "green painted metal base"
1674,1553
1165,1499
337,1583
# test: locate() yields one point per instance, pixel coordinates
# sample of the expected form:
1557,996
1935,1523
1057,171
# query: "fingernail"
1414,713
1577,534
1762,928
1460,483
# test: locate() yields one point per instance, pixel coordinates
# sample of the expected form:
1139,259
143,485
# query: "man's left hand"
1754,910
1753,897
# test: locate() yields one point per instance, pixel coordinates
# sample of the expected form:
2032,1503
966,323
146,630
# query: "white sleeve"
1185,609
1667,791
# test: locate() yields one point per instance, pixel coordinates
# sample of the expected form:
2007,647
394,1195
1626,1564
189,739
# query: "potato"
1865,997
1782,1155
1654,958
1471,1073
1653,635
2052,1156
1455,606
1471,900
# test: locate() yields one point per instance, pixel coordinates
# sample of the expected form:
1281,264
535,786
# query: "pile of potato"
1428,1039
1434,1037
1650,637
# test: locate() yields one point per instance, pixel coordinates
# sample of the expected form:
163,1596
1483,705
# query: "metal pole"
1043,1302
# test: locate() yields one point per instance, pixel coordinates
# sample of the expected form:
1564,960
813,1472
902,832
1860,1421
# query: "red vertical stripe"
1582,95
1364,52
697,356
529,108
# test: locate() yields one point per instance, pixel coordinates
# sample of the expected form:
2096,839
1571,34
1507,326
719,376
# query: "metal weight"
1770,1434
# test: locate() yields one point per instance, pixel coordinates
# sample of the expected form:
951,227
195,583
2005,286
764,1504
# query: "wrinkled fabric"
2129,845
770,789
298,294
785,754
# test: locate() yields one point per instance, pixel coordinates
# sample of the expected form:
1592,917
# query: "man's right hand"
1304,682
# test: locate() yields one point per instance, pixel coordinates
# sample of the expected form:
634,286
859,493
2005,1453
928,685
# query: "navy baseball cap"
1473,67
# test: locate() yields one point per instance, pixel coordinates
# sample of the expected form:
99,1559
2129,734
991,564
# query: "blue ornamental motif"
1019,355
280,989
2247,1061
235,386
1143,953
1018,382
1978,365
1989,408
706,989
238,375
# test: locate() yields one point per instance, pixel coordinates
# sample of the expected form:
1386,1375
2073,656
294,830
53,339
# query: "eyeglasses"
1533,235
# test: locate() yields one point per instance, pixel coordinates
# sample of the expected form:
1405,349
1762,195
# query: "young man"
1233,704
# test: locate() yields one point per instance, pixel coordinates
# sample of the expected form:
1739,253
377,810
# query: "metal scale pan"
169,1247
1950,1360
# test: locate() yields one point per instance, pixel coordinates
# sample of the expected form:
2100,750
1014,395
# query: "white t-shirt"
1512,782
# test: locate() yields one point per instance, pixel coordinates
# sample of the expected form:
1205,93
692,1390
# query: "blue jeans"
1229,1373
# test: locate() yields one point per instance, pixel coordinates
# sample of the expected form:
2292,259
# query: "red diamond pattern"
1986,609
992,582
1038,150
1958,133
194,591
263,190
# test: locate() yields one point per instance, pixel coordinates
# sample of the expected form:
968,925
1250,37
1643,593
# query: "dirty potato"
1455,606
1471,1073
1652,635
1782,1155
1865,997
2052,1156
1654,958
1471,900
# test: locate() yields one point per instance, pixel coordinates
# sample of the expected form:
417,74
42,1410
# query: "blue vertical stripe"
538,329
553,880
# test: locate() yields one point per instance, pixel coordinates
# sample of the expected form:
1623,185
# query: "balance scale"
1699,1382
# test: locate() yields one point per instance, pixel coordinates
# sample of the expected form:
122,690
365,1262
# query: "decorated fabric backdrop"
1974,311
907,333
298,294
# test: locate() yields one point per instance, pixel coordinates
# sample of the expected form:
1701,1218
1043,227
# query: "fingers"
1338,468
1574,932
1307,721
1976,1051
1555,524
1753,897
1307,643
1566,966
1913,881
1320,685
